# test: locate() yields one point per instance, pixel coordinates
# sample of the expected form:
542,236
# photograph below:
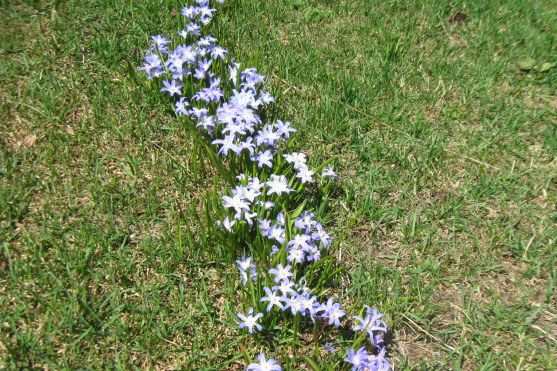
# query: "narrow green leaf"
312,363
324,164
296,213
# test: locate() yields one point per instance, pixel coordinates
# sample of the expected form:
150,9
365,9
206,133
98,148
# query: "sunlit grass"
99,186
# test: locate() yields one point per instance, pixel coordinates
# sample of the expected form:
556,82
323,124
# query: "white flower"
305,174
278,185
237,202
296,158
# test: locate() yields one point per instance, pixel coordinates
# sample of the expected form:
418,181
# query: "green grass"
446,146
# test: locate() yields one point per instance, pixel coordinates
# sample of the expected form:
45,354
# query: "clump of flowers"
287,267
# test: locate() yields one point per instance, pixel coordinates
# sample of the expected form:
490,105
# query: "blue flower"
265,98
226,224
295,254
286,288
310,305
330,347
313,253
246,269
233,72
264,159
305,221
268,137
300,241
358,359
362,360
321,235
295,303
205,64
273,298
152,66
296,158
190,12
277,233
172,87
379,362
284,129
181,106
281,273
243,98
305,174
237,202
191,29
333,312
255,183
198,112
218,52
267,205
329,172
251,77
227,144
248,217
160,42
206,14
246,145
264,364
250,321
274,250
199,73
207,123
372,323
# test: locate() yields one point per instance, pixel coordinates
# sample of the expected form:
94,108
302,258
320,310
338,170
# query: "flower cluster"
375,328
287,295
362,360
246,269
226,105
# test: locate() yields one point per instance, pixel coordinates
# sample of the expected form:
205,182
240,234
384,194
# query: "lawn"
442,117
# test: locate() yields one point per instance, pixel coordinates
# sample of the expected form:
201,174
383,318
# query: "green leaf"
322,166
547,66
312,363
296,213
527,64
